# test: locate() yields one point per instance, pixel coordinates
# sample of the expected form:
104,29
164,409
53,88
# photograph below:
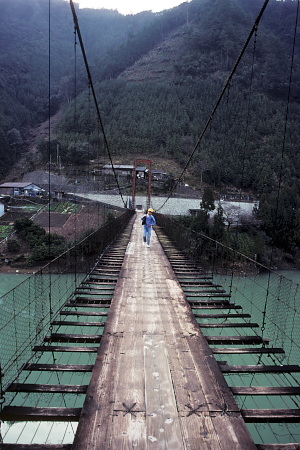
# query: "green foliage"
86,234
65,207
13,245
244,244
30,232
110,217
43,246
250,243
23,224
200,222
5,231
51,246
280,218
208,200
217,231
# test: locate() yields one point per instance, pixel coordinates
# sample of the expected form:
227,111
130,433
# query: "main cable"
253,30
76,24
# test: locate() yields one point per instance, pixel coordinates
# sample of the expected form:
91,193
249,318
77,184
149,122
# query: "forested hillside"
37,61
160,103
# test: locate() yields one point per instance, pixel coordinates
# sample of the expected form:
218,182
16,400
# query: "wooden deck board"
129,431
162,421
156,383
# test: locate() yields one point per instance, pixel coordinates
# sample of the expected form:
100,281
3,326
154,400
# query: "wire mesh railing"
26,311
271,298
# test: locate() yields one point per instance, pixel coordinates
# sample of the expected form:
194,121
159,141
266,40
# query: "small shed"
21,189
141,171
124,170
120,169
159,175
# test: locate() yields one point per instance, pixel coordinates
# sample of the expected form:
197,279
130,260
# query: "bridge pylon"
149,163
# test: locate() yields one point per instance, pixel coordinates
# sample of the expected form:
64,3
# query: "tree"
13,245
208,200
280,218
218,228
200,222
43,246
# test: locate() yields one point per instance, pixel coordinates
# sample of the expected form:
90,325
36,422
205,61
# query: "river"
176,205
8,281
272,433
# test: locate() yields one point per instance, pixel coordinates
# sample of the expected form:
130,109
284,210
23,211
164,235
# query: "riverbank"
7,269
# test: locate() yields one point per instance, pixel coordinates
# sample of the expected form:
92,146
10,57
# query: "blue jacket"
150,220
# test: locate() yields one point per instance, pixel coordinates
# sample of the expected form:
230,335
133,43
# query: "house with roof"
26,189
123,170
159,175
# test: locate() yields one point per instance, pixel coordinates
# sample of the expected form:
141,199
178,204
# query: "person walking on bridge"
148,220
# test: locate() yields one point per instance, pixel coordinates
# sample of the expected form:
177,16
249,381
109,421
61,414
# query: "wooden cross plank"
222,306
229,325
36,446
222,316
26,413
60,337
271,415
77,324
61,388
62,348
259,369
59,367
265,390
250,350
83,313
235,340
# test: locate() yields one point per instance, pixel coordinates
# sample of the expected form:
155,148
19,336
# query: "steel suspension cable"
76,24
209,120
74,124
49,154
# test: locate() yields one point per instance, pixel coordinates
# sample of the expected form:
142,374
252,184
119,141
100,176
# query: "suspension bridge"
147,350
115,345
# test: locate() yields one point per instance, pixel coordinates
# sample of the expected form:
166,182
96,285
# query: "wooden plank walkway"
156,383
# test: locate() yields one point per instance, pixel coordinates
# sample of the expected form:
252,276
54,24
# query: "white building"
21,189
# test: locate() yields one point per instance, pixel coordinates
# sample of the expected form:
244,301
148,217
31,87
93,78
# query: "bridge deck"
156,383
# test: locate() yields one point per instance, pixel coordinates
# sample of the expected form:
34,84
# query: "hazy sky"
130,6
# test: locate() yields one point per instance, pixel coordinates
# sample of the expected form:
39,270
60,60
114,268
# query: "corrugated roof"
117,166
18,185
122,167
21,185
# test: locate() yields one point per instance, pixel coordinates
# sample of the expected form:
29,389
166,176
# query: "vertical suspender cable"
74,122
49,153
